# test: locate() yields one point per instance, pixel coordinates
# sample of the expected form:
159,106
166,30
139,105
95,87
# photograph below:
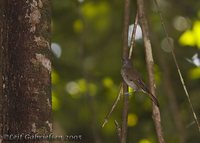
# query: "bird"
132,78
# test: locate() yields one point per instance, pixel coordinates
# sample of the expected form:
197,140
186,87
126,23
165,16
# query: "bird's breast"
128,79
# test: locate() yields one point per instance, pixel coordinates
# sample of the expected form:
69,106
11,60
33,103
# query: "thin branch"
150,66
177,65
169,90
124,114
113,107
126,26
133,36
125,56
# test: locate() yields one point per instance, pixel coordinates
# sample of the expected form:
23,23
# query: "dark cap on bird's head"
126,62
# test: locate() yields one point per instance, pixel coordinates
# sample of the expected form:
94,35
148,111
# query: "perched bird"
133,79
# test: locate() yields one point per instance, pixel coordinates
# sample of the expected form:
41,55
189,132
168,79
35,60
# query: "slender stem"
125,56
126,26
133,36
150,65
177,66
118,129
113,106
124,114
170,93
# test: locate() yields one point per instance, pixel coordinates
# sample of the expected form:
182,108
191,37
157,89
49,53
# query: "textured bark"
28,68
3,43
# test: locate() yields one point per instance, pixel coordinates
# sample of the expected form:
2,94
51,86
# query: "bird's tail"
154,99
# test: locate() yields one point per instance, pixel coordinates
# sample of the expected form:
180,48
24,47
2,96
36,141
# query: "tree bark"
3,44
125,55
150,67
26,81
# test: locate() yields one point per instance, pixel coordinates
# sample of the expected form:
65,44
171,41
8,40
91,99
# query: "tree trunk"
26,80
3,43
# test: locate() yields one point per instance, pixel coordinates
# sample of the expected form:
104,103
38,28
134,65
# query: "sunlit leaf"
187,38
191,37
196,31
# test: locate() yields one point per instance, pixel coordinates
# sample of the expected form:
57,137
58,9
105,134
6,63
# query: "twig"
150,65
118,129
125,56
133,36
177,66
169,90
113,107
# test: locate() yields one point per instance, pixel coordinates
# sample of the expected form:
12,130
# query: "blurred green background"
87,48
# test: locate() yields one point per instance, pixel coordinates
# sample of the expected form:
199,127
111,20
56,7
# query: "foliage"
86,78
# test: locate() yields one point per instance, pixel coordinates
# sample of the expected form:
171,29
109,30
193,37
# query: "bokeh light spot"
56,49
194,73
73,89
78,26
138,34
82,85
144,141
54,77
55,102
107,82
132,119
166,46
92,89
89,10
181,23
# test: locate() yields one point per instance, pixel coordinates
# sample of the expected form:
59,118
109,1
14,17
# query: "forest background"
87,47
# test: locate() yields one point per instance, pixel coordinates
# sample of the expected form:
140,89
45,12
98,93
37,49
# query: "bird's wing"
145,89
139,84
142,85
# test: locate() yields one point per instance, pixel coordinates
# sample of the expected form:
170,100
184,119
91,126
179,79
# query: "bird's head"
126,62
